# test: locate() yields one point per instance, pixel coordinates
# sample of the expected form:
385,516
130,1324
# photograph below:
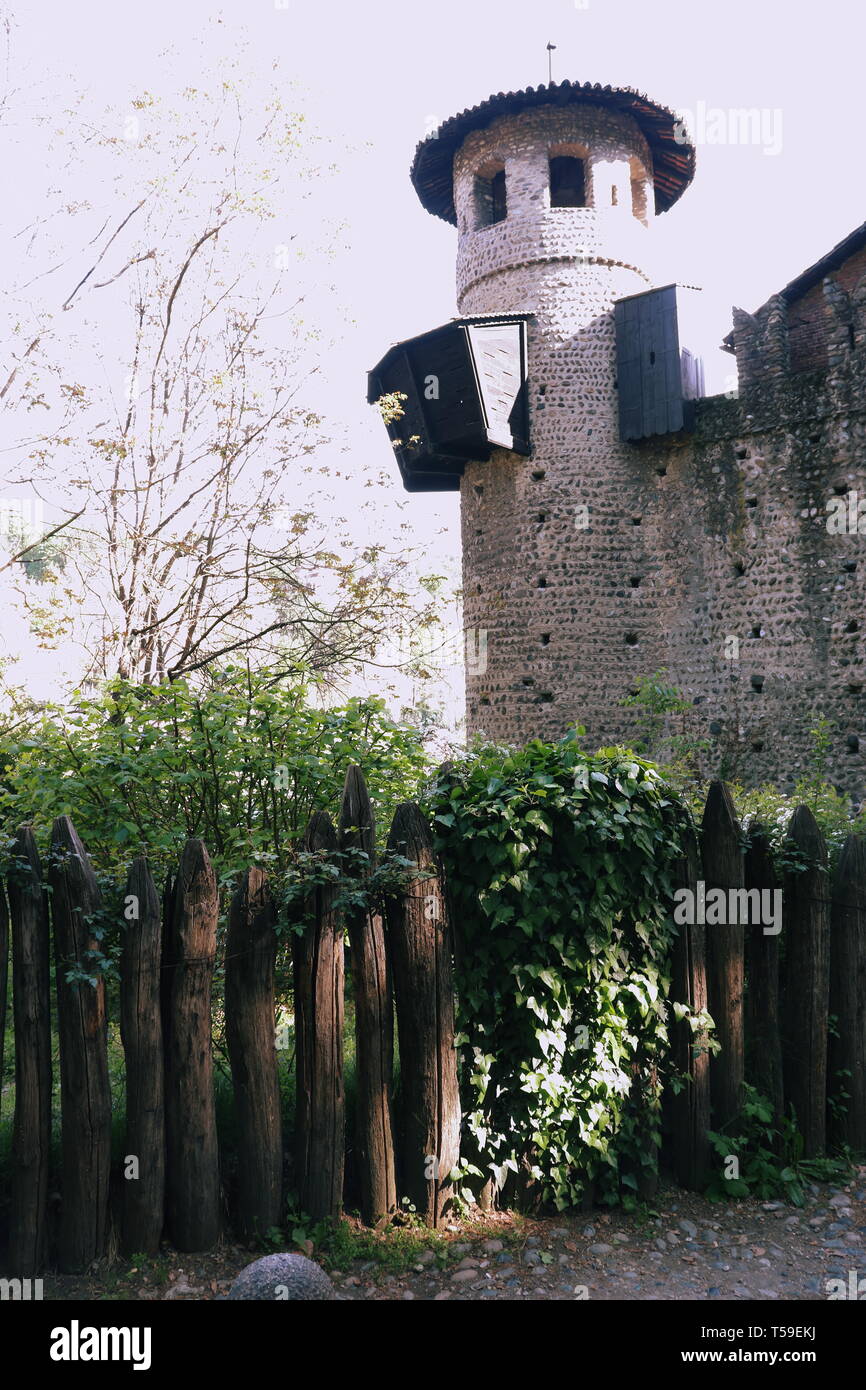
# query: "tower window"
491,204
567,182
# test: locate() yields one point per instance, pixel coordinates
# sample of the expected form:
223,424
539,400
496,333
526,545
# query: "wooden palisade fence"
774,1030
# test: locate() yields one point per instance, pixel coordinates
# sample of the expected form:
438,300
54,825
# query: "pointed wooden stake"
419,941
806,982
374,1019
85,1095
320,1125
723,868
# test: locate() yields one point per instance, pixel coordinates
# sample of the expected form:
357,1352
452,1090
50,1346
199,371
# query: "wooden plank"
848,991
251,950
320,1123
4,984
419,942
85,1095
31,1002
723,868
763,1027
806,981
628,369
451,402
673,389
499,368
192,1161
690,1108
141,1032
374,1019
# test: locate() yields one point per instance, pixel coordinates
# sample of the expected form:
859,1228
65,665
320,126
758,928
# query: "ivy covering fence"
560,869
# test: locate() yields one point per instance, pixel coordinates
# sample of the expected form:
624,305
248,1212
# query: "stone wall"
594,562
763,606
548,546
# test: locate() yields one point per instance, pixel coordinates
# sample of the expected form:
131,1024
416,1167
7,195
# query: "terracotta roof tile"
673,160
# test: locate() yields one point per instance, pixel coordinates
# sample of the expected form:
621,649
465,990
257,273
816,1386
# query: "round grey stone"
282,1277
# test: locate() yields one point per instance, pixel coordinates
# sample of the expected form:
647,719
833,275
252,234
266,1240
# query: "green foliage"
832,809
390,1249
357,885
242,764
769,1152
665,720
560,869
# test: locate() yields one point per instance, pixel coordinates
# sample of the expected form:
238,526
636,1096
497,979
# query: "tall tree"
164,342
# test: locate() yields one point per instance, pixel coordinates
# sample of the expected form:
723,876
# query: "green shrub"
241,765
768,1154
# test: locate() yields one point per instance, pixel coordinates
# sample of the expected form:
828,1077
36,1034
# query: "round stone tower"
554,192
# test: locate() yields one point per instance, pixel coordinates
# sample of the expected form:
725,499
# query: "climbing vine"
560,869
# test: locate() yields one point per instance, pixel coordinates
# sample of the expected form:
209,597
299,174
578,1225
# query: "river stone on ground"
282,1277
680,1246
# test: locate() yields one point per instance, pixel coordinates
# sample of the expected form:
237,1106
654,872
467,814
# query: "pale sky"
375,76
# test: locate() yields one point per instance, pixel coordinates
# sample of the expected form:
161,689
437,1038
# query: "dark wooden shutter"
649,370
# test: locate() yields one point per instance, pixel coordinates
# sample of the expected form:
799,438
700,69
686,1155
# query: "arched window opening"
567,182
491,204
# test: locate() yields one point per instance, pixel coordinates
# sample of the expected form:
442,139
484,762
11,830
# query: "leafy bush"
769,1156
832,810
560,867
241,764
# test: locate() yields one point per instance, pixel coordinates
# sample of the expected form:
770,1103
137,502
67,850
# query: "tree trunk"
192,1160
419,941
31,1002
848,990
141,1031
690,1109
4,985
723,868
763,1030
251,949
807,982
374,1019
320,1127
83,1029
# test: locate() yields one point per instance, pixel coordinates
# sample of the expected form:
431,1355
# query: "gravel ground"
686,1248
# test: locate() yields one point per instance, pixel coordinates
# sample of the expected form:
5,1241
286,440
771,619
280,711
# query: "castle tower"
554,192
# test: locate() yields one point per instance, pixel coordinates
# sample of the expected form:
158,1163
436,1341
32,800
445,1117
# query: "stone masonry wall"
595,562
549,544
743,552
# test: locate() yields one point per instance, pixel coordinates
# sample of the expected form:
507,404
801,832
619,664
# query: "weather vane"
550,48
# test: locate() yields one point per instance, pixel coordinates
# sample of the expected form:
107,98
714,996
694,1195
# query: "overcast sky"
375,76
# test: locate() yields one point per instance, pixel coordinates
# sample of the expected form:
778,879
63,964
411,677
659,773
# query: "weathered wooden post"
806,980
31,1002
374,1017
419,941
251,949
141,1031
85,1094
320,1123
192,1160
689,1109
722,857
763,1030
4,982
848,988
